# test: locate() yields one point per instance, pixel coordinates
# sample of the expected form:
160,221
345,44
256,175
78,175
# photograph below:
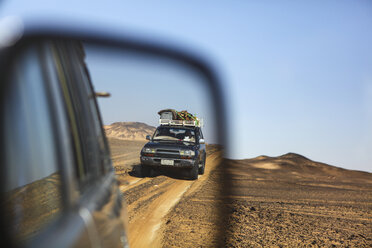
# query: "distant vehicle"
175,144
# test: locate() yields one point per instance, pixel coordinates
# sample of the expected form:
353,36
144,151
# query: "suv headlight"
188,153
148,150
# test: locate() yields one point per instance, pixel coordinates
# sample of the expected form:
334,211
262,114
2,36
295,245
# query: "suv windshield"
170,133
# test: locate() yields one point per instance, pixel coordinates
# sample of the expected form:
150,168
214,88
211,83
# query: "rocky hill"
295,167
129,130
292,201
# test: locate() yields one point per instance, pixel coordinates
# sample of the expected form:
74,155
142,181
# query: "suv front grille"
167,153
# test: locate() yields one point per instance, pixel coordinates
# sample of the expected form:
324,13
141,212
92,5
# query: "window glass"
180,134
104,159
81,106
201,134
32,178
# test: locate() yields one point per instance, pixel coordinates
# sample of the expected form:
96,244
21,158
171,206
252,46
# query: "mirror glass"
31,177
160,119
158,177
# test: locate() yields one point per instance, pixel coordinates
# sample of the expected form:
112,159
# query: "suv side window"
105,159
31,175
200,134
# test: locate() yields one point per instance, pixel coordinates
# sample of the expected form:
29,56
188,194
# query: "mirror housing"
181,57
201,141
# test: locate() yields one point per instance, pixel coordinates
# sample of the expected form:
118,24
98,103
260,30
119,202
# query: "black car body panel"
58,186
167,153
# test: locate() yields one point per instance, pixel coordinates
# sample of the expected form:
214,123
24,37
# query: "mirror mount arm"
102,94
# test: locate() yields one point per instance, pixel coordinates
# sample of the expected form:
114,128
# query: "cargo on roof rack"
182,118
168,114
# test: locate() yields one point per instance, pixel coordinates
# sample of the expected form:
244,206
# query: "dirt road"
150,199
285,201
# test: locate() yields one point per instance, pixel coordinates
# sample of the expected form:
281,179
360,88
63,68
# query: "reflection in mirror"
31,177
161,128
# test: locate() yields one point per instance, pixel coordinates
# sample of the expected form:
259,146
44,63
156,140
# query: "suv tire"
202,168
194,172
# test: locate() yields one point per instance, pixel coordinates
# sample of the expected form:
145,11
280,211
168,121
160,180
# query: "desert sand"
285,201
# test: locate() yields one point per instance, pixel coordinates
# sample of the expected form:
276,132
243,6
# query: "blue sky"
297,74
140,86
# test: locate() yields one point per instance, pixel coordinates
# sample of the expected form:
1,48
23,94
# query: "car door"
36,187
58,187
99,193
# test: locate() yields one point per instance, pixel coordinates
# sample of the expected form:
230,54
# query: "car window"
200,134
104,158
32,178
165,133
90,149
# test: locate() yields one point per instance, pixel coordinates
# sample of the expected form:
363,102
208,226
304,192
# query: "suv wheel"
202,168
145,170
194,172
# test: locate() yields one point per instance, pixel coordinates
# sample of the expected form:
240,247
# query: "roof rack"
191,123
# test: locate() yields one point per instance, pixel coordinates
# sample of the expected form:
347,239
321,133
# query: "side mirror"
102,94
143,78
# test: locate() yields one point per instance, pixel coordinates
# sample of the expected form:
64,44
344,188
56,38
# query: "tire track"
150,199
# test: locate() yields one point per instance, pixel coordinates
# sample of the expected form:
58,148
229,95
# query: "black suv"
176,147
